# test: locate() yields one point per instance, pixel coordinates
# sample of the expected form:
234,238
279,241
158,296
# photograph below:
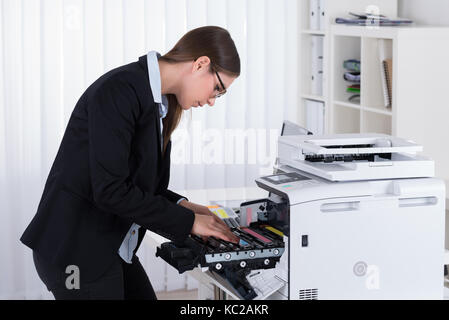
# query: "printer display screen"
278,178
285,178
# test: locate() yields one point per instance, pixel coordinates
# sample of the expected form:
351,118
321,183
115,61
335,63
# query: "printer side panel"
375,247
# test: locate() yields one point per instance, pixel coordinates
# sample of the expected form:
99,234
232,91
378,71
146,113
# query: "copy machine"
347,216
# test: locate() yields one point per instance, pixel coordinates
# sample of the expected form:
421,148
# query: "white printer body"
365,218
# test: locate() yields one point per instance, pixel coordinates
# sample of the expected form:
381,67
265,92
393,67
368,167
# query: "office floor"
178,295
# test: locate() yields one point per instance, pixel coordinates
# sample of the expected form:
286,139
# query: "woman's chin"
183,107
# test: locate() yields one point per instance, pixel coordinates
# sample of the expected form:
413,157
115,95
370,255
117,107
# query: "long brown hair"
211,41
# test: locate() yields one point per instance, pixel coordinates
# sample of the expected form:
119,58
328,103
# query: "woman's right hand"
207,226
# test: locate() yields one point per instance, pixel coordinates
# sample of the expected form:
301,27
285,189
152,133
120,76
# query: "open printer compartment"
261,245
251,253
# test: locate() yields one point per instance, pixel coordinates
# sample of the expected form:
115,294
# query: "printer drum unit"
259,248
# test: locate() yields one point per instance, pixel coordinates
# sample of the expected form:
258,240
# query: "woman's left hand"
200,209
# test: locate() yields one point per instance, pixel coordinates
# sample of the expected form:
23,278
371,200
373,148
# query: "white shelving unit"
420,108
332,10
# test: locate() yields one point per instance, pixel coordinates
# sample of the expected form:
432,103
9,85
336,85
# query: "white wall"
429,12
426,12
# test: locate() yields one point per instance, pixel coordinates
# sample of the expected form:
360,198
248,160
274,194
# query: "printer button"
305,241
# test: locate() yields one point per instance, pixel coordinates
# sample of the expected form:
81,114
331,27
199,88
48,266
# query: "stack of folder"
370,19
352,75
353,88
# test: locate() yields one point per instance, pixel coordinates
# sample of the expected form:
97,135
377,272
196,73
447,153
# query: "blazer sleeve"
113,110
170,195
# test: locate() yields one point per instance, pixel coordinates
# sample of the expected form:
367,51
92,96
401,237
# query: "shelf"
386,111
314,32
348,104
363,31
357,106
313,97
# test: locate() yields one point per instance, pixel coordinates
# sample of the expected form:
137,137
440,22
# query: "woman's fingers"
220,221
226,236
205,211
210,213
208,226
225,233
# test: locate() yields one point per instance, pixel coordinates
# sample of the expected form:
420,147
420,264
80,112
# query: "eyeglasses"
220,93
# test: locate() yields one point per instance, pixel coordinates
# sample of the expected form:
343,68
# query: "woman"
108,183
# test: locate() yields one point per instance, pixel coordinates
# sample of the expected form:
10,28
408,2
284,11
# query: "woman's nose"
211,101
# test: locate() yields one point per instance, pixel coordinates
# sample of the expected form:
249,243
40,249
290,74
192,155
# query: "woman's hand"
206,226
202,210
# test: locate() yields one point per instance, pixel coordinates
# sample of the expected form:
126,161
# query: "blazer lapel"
158,129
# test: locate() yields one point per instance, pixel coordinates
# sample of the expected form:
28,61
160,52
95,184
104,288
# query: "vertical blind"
52,50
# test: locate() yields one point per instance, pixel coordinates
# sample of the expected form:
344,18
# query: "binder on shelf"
322,13
314,17
388,68
317,65
353,88
315,116
317,83
352,76
352,65
386,73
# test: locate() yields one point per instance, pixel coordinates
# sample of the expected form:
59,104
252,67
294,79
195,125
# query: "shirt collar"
155,82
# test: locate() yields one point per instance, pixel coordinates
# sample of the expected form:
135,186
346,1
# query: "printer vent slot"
308,294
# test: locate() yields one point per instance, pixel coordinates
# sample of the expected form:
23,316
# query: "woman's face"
200,86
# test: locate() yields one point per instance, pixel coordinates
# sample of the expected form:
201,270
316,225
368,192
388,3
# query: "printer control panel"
290,180
282,178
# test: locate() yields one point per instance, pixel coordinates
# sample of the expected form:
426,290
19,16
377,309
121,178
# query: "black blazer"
108,173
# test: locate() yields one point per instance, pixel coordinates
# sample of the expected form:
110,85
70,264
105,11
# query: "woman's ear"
202,63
